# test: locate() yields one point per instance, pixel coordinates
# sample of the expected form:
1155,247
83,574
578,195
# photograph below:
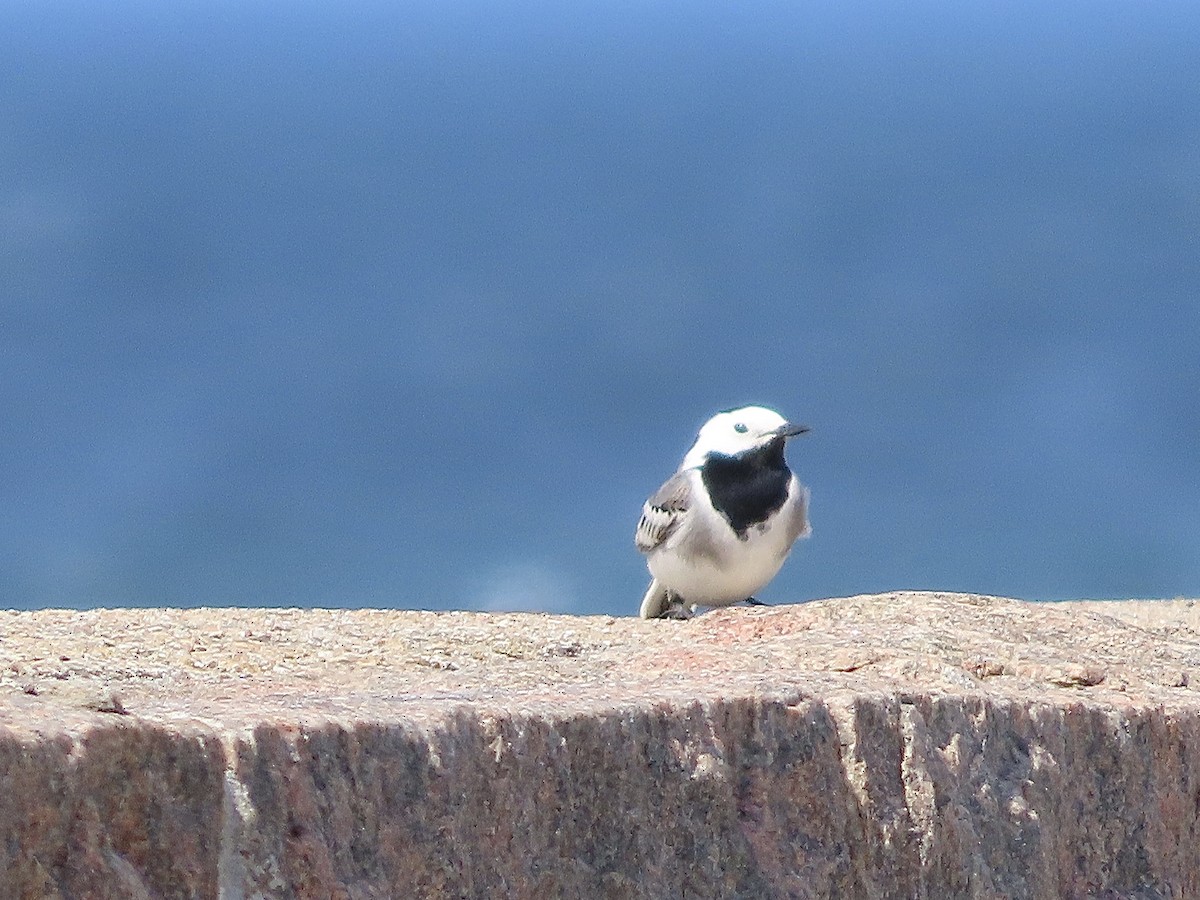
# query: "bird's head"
736,431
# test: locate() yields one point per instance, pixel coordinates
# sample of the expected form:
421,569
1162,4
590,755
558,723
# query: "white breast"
704,562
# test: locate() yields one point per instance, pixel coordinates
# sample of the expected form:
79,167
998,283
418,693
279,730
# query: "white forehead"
756,419
733,431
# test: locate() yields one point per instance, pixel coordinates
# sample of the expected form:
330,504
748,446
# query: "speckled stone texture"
908,745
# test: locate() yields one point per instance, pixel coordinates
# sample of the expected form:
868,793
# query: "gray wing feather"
663,512
798,526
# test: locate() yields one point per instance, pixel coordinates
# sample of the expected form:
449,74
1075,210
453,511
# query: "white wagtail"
722,525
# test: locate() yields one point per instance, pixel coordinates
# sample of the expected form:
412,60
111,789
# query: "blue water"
413,304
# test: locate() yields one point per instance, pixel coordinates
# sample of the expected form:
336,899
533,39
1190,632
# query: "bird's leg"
676,608
754,601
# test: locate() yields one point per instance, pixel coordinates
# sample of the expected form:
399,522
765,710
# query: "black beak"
788,430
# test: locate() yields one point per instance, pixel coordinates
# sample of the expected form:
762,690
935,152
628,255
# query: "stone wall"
894,746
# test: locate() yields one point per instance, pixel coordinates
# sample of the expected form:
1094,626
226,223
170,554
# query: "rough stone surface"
908,745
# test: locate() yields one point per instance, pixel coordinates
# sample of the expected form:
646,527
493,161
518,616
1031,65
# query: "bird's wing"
797,526
663,512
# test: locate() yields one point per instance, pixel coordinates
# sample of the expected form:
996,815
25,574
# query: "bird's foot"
676,609
754,601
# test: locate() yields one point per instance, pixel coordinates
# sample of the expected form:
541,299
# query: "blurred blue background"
412,304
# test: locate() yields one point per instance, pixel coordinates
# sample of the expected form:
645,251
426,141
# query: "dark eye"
740,428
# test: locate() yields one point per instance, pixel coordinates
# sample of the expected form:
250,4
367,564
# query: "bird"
720,528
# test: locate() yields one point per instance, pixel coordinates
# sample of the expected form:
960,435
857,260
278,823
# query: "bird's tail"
654,604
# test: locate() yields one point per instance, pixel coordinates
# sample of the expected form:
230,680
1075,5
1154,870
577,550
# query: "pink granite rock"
891,746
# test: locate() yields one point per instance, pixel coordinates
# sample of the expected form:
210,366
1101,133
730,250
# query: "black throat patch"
746,489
